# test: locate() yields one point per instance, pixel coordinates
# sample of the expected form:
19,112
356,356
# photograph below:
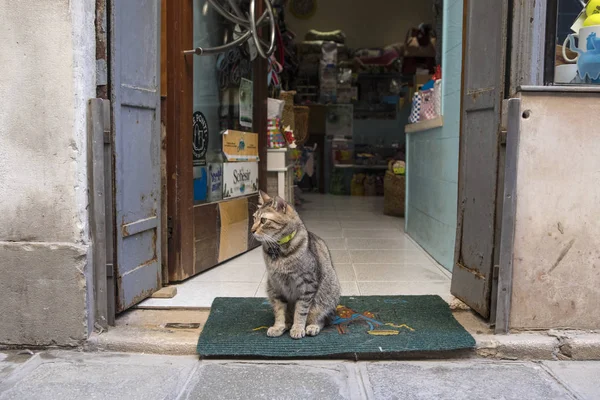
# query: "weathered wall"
48,74
556,276
432,184
376,24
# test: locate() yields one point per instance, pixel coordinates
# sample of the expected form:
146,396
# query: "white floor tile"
320,225
202,294
386,261
261,291
345,272
398,273
340,257
336,244
230,272
252,257
327,232
441,289
375,223
349,289
380,244
373,233
389,257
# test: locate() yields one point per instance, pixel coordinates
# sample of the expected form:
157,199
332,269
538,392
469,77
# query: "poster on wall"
246,96
199,139
239,179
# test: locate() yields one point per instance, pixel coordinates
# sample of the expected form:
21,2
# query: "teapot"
588,60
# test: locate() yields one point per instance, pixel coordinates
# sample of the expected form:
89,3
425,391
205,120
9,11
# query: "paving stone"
101,376
579,376
229,381
463,380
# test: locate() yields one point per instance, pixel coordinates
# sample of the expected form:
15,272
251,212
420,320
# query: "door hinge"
109,271
496,272
502,138
169,227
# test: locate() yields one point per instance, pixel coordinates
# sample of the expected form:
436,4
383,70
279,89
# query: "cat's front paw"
297,332
276,330
313,330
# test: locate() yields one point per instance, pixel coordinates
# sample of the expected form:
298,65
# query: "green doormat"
365,325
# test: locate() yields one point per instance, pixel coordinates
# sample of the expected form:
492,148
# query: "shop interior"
344,89
572,59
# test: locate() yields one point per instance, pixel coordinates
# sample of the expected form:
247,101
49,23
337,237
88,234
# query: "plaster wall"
48,74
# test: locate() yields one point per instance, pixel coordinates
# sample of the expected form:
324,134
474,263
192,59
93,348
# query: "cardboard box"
240,146
420,80
239,179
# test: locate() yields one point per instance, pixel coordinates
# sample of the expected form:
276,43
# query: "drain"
179,325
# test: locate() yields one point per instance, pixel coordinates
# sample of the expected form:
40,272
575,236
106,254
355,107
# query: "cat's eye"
263,220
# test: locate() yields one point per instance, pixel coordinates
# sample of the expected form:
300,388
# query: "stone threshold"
168,332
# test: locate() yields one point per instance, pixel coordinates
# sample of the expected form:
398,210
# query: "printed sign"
239,179
215,182
240,146
246,96
199,139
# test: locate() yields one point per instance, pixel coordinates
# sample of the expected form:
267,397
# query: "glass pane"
577,58
217,82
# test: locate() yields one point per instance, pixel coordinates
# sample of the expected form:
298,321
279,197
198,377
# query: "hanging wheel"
253,29
251,25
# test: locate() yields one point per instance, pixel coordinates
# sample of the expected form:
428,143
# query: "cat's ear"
280,205
263,198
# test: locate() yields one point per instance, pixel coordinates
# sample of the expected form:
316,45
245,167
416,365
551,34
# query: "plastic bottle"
214,160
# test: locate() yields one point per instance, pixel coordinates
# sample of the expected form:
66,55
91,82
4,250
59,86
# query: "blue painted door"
135,98
482,94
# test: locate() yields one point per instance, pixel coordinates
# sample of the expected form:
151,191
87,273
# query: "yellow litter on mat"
383,333
260,328
401,326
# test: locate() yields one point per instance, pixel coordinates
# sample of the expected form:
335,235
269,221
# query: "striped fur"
302,284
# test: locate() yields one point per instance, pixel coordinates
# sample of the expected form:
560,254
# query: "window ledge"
425,125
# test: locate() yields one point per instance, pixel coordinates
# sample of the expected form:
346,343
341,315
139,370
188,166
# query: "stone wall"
48,75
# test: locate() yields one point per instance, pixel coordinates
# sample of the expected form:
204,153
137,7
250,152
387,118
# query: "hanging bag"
415,111
427,105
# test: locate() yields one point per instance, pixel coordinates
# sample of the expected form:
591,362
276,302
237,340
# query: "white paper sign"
578,24
239,179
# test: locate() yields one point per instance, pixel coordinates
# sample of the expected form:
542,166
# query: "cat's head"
275,219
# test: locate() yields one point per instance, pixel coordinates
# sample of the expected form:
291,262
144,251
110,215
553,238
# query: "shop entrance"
375,177
358,105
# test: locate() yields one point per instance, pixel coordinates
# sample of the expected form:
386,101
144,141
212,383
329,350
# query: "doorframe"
461,171
180,204
525,21
527,44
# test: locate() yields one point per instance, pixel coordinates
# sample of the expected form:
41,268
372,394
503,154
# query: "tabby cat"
302,284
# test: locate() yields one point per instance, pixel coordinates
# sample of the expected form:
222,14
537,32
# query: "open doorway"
383,56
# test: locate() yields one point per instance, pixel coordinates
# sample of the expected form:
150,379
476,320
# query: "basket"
394,193
288,97
288,110
301,115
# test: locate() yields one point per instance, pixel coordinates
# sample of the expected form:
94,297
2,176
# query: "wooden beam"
260,108
179,138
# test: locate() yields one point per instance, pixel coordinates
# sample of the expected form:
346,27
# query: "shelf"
424,125
383,75
212,203
358,166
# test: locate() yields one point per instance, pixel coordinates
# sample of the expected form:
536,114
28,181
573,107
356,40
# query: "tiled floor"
371,253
